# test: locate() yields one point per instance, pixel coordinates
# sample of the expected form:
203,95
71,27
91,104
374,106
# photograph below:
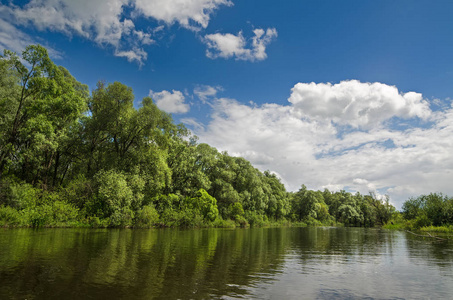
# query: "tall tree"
43,104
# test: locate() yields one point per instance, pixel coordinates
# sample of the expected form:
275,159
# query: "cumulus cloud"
171,102
193,123
191,14
99,21
355,103
229,45
136,54
311,148
205,92
13,39
104,21
16,40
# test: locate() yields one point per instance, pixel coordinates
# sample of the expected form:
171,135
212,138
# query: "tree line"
71,158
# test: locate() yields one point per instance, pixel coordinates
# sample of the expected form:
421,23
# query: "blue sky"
349,95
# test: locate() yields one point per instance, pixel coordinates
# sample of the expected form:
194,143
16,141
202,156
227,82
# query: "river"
256,263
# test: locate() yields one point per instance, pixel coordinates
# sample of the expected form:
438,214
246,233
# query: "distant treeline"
68,158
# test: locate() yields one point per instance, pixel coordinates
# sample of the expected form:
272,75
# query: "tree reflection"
205,264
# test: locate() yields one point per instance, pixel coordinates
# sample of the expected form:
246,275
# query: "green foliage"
18,195
309,205
146,216
67,157
9,216
255,219
221,223
121,217
113,192
425,210
349,215
166,203
181,218
117,195
204,204
40,108
237,211
78,191
438,229
50,214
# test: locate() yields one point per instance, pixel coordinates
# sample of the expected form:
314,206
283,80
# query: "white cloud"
171,102
355,103
229,45
136,54
191,14
103,21
111,23
308,148
13,39
99,21
16,40
205,92
192,122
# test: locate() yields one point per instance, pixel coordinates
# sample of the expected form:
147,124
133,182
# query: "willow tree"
40,102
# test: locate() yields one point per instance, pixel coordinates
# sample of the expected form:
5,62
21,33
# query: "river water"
256,263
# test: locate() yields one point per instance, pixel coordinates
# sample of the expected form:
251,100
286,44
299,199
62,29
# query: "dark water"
270,263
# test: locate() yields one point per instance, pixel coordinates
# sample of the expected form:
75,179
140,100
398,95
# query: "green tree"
204,204
40,108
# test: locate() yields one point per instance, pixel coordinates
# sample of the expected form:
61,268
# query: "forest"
69,157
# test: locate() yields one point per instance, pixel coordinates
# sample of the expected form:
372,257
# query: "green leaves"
433,209
119,164
43,105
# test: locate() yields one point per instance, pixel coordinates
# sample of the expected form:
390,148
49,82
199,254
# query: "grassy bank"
62,215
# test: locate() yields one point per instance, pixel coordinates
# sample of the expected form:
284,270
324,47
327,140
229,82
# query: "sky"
354,95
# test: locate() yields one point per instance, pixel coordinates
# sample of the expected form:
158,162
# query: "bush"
438,229
18,195
221,223
113,194
166,203
9,216
203,204
147,216
38,216
254,219
310,221
95,222
241,221
422,221
77,192
57,213
181,218
122,217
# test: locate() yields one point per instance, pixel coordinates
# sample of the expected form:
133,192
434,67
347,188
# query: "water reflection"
269,263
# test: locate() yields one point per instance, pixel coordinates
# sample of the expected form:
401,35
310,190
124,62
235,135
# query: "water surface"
257,263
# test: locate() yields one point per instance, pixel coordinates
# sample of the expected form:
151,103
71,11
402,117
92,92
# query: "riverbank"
407,225
14,219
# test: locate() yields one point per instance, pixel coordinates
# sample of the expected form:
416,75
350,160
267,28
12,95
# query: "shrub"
18,195
241,221
220,223
64,212
9,216
254,219
203,204
77,192
113,193
422,221
38,216
122,217
147,216
57,213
